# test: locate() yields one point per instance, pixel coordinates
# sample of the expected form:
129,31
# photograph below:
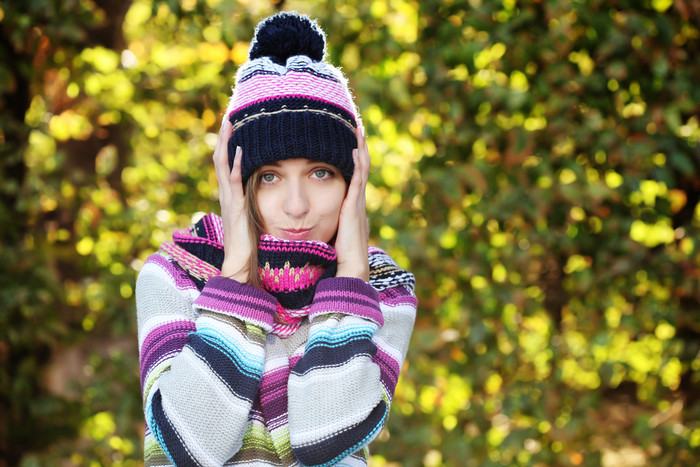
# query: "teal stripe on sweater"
248,362
336,337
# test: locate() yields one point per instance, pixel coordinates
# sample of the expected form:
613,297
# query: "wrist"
356,272
234,271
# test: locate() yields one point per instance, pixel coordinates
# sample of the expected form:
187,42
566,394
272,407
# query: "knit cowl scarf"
288,269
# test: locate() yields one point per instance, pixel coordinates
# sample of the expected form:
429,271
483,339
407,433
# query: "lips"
296,234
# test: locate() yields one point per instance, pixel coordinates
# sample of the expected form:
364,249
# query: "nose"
296,203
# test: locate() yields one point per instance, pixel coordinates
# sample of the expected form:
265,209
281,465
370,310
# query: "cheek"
331,202
266,208
329,215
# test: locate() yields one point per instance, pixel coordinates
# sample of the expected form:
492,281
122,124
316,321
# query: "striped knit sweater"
221,388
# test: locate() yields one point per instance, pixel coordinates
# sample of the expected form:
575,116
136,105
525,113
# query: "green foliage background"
535,164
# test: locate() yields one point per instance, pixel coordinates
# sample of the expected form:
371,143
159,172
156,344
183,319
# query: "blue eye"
322,173
267,178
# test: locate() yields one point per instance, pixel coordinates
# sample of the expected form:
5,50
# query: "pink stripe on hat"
263,87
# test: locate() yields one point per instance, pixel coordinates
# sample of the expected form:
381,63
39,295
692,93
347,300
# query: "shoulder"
192,256
385,274
160,268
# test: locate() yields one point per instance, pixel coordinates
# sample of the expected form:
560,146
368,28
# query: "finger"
221,159
364,163
363,153
356,180
235,178
224,135
221,151
368,159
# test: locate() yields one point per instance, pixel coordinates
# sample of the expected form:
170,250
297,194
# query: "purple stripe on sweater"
274,379
349,285
274,386
226,285
241,300
237,308
273,396
347,295
324,300
395,296
349,307
170,344
389,369
164,330
181,279
155,362
169,338
226,301
294,360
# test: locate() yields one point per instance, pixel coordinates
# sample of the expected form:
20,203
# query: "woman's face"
300,199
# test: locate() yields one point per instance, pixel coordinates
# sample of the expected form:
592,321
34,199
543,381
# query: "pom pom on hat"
289,102
285,35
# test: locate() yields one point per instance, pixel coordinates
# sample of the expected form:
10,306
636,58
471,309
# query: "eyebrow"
308,162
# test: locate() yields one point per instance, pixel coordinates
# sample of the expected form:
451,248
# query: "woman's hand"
237,245
352,238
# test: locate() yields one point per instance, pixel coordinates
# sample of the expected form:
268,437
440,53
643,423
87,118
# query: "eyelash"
262,178
328,174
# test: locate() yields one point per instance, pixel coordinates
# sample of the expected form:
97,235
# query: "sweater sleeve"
341,389
201,360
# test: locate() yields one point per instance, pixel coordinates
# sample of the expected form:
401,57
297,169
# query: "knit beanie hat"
289,102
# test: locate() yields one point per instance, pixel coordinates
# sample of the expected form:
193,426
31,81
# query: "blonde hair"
255,226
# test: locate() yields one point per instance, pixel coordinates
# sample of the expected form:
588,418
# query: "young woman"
273,335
